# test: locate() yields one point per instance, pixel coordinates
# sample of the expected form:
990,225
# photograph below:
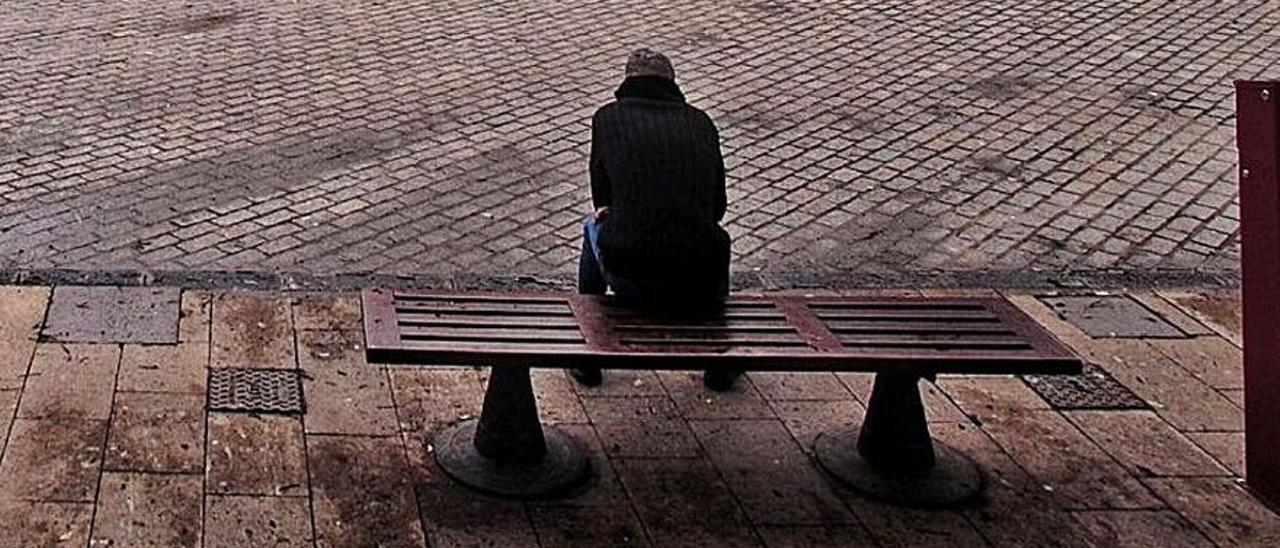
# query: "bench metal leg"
507,452
893,458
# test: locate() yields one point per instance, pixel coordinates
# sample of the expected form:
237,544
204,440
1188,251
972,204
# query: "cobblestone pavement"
443,136
108,442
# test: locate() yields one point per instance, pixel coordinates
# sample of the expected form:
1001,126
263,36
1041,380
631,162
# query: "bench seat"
931,335
890,456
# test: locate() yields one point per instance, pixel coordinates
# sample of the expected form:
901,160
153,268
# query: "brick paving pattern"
427,137
111,443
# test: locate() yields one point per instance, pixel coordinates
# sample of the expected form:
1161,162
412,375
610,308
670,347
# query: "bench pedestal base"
563,467
952,480
893,458
507,452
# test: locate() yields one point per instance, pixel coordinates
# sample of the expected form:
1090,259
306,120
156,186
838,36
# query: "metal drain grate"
1094,389
255,390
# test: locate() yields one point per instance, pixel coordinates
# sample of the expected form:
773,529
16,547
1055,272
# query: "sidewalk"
106,438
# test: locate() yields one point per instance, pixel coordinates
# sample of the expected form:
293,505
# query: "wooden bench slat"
477,298
759,314
967,328
540,322
704,328
938,344
482,311
759,339
820,306
496,333
910,314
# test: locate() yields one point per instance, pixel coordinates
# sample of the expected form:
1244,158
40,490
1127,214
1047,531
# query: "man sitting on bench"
658,186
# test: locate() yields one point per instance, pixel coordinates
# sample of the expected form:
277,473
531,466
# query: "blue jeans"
591,278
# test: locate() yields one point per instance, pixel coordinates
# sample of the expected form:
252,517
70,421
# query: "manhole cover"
1112,316
255,390
1093,389
147,315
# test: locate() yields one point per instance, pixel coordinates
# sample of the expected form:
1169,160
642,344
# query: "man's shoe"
720,380
587,376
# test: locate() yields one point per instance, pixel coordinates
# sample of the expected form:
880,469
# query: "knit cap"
646,62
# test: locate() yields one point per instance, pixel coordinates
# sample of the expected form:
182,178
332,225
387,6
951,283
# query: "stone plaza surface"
112,442
440,137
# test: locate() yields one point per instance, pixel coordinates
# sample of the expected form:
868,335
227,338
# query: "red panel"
1257,123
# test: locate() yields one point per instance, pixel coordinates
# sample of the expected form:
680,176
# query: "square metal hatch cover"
1112,316
256,390
146,315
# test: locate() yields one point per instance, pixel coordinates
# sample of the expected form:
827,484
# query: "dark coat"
656,163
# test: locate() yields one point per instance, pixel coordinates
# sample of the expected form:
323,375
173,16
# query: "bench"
892,457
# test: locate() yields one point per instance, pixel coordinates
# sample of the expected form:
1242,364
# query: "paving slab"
769,474
181,368
15,360
252,331
650,427
803,537
557,401
71,380
696,402
683,502
194,317
250,522
24,523
24,312
156,432
805,420
895,527
53,459
113,315
574,526
623,382
1144,443
1031,305
1226,447
1014,510
1179,397
982,398
328,311
255,455
1211,359
362,492
1236,396
148,510
345,395
1220,310
1064,460
455,516
799,386
428,399
1140,529
1171,313
1220,509
8,403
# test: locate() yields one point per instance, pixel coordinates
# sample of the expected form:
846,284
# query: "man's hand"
601,213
